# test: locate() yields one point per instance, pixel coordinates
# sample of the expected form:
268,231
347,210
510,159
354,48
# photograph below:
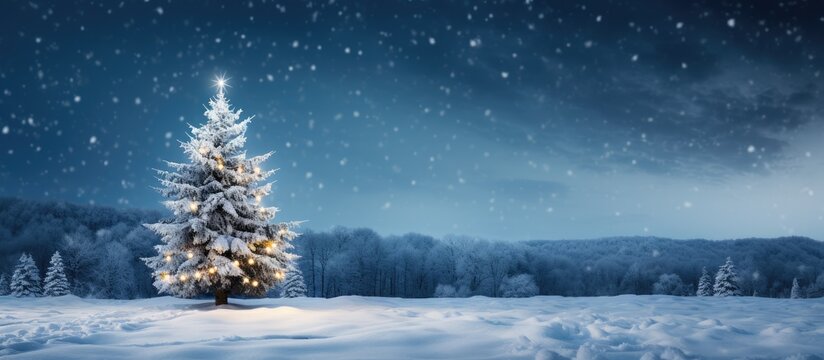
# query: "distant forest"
101,248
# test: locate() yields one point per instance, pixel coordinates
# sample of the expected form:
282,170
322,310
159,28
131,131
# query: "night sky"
500,119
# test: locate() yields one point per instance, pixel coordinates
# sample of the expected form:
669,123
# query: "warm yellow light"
212,270
193,206
183,277
190,255
257,198
240,169
257,170
237,263
245,280
164,277
255,283
251,261
279,275
197,275
269,249
168,258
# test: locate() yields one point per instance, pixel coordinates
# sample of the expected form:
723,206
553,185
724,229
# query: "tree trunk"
221,297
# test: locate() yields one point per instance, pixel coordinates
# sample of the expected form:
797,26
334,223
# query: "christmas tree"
795,292
5,288
220,239
26,278
293,285
56,283
726,281
704,284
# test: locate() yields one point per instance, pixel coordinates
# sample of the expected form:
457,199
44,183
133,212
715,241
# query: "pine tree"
795,293
704,284
5,288
56,283
220,239
726,280
293,286
26,278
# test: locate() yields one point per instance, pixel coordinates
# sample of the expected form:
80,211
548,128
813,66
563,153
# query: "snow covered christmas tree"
704,284
293,285
56,283
220,239
726,281
26,278
795,292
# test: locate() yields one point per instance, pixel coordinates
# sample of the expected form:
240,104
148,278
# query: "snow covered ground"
623,327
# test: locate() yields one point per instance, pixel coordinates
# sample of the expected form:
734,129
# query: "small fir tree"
220,239
56,283
293,285
795,292
704,284
26,278
726,281
5,288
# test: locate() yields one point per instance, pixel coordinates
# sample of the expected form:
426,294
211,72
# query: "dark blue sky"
499,119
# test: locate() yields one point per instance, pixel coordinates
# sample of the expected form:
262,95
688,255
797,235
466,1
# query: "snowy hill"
623,327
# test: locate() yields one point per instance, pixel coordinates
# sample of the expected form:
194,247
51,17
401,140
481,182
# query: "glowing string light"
251,261
193,206
237,263
190,255
255,283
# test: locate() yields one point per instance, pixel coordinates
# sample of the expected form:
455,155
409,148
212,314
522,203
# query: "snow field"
623,327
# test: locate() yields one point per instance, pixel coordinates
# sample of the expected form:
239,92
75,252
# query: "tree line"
101,249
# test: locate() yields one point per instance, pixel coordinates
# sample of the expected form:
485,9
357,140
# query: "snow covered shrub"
56,283
26,278
445,291
669,284
522,285
726,281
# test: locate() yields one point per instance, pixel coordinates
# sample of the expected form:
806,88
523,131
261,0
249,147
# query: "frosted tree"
220,239
5,289
670,284
445,291
56,283
704,284
293,285
26,278
795,292
726,280
517,286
